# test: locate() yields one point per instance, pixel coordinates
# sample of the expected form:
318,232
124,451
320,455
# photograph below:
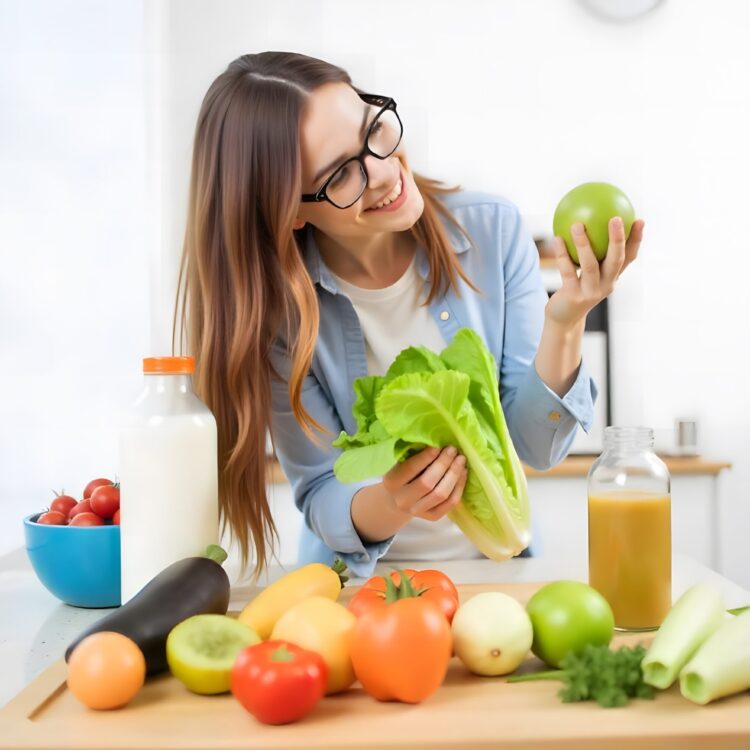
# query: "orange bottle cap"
169,365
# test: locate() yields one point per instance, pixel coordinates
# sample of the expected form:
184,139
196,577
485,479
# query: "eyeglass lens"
349,181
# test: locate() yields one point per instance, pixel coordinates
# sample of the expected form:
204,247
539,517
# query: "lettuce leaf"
425,399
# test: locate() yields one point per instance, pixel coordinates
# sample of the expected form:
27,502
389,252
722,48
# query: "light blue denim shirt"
508,314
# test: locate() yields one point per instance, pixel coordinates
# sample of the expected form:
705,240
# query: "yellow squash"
314,579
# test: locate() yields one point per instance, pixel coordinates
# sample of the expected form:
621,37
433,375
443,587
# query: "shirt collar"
317,269
320,274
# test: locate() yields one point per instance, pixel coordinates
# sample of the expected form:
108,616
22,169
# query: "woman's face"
331,132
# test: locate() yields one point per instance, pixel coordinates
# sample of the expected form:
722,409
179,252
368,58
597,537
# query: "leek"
722,664
694,617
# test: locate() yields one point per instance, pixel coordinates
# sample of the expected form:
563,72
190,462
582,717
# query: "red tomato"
63,504
105,500
86,519
83,507
53,517
278,682
400,651
93,484
116,518
433,585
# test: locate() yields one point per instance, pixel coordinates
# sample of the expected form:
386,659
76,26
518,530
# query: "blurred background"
524,98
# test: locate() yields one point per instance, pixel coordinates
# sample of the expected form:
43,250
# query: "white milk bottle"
168,474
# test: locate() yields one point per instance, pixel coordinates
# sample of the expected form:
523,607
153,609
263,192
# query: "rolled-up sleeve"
541,424
324,501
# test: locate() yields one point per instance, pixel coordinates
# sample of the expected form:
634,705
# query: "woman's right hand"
429,484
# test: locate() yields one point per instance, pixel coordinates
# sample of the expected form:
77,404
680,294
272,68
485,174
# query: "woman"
313,255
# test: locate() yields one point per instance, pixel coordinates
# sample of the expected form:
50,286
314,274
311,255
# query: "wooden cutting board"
467,712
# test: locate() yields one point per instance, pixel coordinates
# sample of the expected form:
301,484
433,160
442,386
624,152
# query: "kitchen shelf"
577,466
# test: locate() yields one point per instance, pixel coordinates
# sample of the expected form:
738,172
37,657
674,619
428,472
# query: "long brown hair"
243,282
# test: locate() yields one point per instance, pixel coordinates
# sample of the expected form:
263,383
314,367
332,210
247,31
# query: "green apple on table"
592,204
566,616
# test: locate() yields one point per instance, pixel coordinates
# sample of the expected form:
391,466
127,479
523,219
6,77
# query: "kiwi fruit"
201,651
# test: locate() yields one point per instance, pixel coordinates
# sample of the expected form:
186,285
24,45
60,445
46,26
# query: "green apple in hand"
592,204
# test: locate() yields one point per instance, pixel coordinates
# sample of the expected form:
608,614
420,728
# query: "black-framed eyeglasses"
347,183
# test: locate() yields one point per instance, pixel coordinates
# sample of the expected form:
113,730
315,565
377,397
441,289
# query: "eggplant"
192,586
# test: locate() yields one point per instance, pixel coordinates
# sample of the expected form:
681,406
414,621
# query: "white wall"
521,97
75,306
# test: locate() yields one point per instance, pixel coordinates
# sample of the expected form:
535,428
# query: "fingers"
581,292
586,258
443,488
429,478
433,486
634,243
404,472
453,500
568,271
431,493
612,265
588,289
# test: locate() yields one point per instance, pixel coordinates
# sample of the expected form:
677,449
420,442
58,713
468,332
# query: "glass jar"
630,528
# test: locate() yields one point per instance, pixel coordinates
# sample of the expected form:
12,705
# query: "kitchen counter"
35,628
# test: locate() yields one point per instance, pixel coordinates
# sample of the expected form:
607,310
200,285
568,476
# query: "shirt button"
554,416
444,315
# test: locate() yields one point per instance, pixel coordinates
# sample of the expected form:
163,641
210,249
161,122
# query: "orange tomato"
434,585
106,670
400,651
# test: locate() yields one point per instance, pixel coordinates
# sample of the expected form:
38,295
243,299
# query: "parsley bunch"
610,678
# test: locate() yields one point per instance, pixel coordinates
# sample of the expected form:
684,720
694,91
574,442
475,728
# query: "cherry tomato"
83,507
93,484
53,517
63,504
116,518
105,500
433,585
106,670
278,682
87,518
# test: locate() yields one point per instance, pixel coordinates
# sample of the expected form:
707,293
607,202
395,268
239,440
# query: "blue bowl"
80,565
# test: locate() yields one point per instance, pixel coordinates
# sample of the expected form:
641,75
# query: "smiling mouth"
394,198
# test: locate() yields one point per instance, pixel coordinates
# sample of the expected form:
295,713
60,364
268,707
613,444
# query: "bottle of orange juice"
630,528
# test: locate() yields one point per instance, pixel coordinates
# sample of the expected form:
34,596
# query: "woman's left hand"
570,304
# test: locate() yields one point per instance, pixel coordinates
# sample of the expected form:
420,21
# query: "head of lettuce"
452,398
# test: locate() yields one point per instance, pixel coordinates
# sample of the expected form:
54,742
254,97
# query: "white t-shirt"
393,319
